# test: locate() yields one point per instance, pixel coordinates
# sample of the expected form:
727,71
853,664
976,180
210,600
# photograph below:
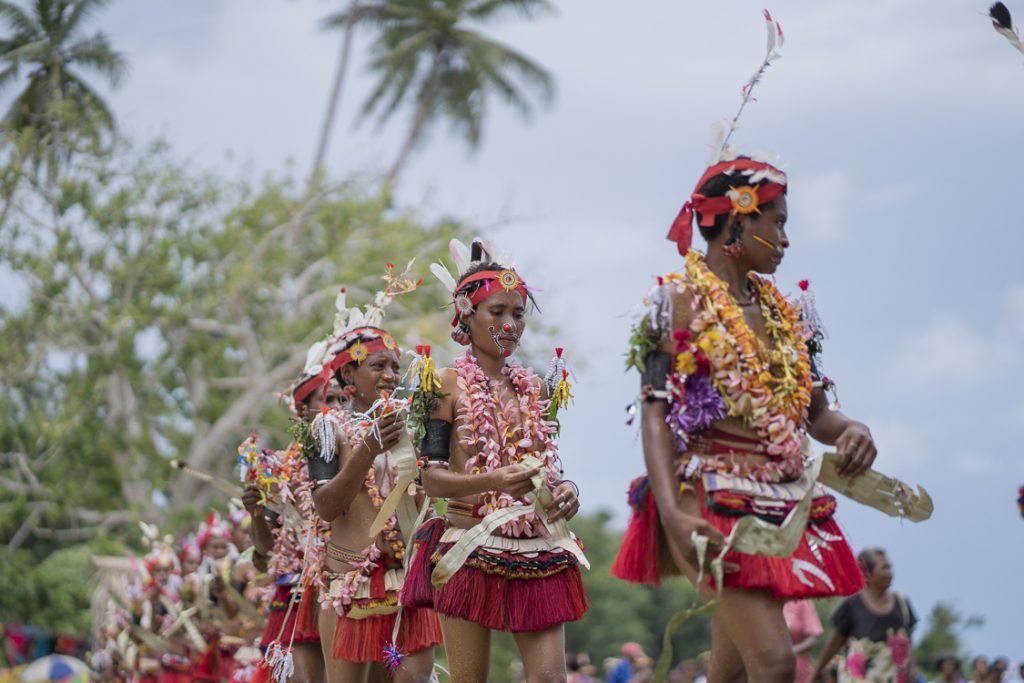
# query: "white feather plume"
442,274
460,256
315,357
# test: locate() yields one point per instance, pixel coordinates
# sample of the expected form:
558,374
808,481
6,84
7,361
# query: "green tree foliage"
57,110
53,594
431,54
943,637
160,310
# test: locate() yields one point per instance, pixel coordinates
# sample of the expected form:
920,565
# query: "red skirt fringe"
834,571
301,617
364,640
417,590
506,591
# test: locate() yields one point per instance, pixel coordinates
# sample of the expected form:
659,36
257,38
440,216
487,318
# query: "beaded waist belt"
458,507
344,555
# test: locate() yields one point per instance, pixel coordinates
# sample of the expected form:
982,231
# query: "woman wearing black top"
875,625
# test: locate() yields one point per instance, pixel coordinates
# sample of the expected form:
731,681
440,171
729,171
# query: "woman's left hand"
856,449
565,504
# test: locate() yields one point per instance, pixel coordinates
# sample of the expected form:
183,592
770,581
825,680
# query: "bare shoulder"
450,391
681,296
540,385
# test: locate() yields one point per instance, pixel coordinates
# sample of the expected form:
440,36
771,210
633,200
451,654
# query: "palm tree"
57,108
429,54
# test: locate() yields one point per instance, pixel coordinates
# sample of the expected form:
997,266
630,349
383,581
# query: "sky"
899,123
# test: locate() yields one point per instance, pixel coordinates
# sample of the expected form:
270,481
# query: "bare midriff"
741,455
349,530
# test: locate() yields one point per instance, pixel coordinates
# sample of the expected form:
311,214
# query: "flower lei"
489,430
768,387
286,557
371,553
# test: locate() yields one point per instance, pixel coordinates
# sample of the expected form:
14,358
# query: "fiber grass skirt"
823,564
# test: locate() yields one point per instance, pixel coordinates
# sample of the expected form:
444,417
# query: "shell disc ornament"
509,280
744,200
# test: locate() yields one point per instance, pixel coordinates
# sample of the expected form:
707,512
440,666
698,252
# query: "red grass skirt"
281,620
823,565
499,590
364,640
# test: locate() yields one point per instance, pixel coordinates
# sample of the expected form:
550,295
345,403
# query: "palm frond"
97,54
18,19
465,103
8,76
81,12
25,53
482,10
375,14
498,57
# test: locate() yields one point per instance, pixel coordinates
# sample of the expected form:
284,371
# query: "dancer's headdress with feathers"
469,290
356,334
750,191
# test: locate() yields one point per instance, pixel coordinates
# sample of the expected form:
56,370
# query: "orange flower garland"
769,388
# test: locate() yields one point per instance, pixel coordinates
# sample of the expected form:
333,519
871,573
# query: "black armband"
321,471
436,444
657,366
815,372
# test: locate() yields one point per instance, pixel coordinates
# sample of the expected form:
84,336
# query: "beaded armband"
435,448
657,366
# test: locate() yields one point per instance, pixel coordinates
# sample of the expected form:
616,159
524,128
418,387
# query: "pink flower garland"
490,432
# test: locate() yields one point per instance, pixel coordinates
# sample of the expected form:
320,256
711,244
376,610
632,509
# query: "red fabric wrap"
280,628
492,277
311,384
379,343
513,592
681,231
777,576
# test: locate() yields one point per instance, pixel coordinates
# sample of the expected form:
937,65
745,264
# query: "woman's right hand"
392,430
514,479
680,526
252,500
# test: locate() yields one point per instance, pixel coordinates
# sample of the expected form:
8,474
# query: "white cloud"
946,352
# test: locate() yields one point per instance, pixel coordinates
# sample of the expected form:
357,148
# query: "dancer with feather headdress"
731,389
503,558
361,465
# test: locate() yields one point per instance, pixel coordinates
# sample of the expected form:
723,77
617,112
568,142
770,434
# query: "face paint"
508,335
770,245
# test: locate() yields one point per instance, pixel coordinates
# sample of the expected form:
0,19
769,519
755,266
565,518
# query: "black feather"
476,252
1000,15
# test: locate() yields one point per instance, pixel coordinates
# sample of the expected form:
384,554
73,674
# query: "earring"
349,391
734,248
460,335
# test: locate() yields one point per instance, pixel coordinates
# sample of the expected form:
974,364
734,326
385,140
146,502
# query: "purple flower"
701,407
704,405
